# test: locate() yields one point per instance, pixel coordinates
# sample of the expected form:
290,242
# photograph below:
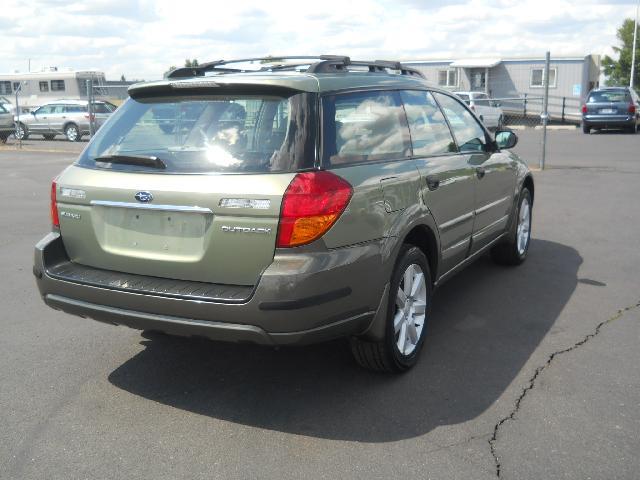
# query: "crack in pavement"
536,374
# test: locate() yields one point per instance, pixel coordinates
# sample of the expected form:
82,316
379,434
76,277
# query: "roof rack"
320,64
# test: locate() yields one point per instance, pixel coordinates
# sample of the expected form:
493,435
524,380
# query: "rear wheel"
586,128
407,314
633,129
514,250
72,132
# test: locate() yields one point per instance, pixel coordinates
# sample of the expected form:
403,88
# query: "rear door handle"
480,172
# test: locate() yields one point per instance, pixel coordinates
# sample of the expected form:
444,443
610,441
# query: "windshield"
228,134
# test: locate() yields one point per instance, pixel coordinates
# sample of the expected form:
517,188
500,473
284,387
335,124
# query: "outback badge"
144,197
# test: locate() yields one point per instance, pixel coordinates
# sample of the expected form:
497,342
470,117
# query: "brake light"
584,109
54,205
91,117
632,108
311,204
473,107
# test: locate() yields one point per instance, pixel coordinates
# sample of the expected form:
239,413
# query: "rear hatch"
608,103
187,187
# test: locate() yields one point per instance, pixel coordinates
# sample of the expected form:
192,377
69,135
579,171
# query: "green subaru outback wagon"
281,203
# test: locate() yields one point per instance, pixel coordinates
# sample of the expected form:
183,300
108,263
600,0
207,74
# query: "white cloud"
142,38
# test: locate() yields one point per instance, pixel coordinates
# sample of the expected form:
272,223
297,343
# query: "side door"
495,172
57,118
38,122
448,181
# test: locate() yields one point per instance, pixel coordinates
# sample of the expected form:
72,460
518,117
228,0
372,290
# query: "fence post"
90,105
545,111
524,108
564,101
18,137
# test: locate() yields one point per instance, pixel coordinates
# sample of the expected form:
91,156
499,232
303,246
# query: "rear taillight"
54,205
584,109
311,204
632,108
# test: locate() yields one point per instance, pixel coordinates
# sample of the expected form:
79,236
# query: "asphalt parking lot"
527,373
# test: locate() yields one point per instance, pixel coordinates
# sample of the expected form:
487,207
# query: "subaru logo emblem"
144,197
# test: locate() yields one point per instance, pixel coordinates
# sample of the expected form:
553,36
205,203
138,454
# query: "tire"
586,129
49,136
3,138
23,132
633,129
400,348
514,250
72,132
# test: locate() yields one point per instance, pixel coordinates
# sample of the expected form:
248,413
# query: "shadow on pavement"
485,325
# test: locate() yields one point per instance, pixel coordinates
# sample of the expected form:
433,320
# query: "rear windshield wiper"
143,161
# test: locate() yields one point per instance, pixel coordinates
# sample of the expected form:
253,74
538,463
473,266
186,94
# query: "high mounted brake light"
311,204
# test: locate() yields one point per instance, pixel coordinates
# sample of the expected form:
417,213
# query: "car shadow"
485,324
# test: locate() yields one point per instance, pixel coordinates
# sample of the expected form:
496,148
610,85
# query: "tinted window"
430,134
468,132
608,96
100,108
211,134
364,126
44,86
5,88
75,108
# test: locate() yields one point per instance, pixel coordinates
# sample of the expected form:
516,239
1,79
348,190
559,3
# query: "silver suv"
63,117
294,204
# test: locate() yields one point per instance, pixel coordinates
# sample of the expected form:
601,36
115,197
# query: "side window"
46,110
430,134
74,109
57,109
468,132
364,126
100,108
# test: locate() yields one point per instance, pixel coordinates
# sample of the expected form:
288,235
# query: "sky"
141,39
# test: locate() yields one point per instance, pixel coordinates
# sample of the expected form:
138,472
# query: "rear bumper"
617,121
300,298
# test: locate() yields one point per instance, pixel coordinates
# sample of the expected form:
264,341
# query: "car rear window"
611,96
213,133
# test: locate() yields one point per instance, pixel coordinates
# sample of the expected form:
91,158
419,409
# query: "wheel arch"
423,237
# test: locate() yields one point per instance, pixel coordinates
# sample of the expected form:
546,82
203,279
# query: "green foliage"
618,71
191,63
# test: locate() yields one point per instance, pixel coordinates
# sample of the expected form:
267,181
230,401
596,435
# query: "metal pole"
90,105
633,51
545,112
18,119
564,103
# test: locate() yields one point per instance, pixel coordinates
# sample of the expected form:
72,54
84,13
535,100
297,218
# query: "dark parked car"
611,107
284,206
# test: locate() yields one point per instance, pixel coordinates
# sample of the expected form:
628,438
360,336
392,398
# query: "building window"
5,88
16,86
57,85
44,86
448,78
537,77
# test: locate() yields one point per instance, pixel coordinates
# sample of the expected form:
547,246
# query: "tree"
122,78
618,71
191,63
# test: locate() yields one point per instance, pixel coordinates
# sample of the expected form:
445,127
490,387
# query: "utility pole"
545,109
633,51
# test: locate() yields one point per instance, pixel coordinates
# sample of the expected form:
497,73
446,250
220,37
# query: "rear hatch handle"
140,160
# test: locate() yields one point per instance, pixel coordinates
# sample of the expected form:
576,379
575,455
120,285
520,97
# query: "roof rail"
320,64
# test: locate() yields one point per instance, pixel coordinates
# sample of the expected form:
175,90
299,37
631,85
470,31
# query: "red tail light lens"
584,109
632,108
54,205
311,204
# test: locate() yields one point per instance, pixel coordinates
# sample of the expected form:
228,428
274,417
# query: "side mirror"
506,139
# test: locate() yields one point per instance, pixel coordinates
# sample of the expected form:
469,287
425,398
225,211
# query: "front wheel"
22,132
407,314
514,250
72,132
